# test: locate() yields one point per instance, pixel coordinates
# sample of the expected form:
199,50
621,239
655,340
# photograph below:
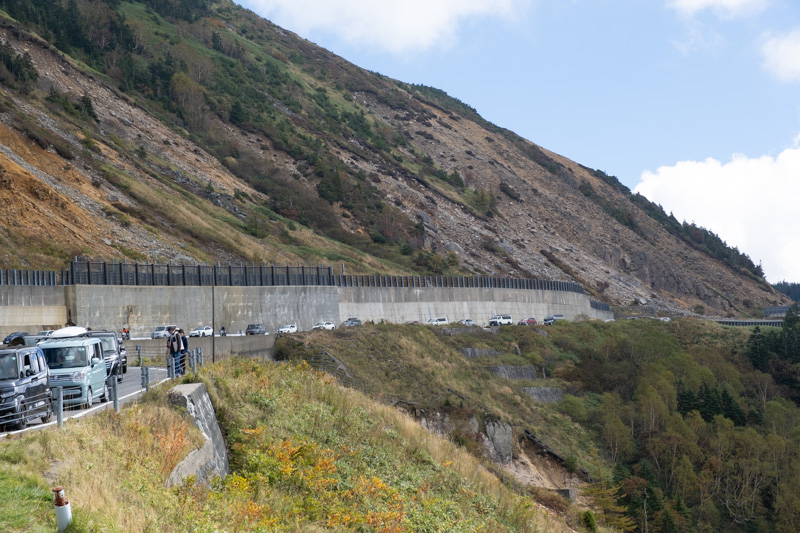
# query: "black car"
256,329
352,321
24,387
15,335
114,353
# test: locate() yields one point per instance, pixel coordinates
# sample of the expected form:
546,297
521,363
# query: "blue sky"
693,103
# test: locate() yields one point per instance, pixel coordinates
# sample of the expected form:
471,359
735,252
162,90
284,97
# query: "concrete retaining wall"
211,459
404,305
142,308
31,308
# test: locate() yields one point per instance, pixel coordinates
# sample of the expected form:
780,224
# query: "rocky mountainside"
196,131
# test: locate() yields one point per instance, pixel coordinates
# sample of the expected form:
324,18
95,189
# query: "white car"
438,321
324,325
289,328
202,331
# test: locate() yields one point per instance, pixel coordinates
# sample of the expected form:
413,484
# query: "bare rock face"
538,220
498,441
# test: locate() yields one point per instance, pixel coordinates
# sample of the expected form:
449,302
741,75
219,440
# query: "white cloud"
782,56
397,27
728,8
751,203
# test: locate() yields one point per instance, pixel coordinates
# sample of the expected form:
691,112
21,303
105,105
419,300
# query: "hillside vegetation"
193,130
684,426
306,455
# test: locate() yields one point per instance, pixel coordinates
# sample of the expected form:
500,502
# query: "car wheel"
125,367
48,416
22,423
89,398
105,396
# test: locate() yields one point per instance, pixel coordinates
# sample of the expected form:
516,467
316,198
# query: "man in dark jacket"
175,346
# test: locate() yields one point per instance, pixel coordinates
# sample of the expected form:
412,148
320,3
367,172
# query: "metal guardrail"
14,418
87,272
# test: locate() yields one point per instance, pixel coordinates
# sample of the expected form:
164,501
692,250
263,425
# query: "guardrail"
29,404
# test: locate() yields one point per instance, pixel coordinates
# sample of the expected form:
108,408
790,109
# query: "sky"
693,103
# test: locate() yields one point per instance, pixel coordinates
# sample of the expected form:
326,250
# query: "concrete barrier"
141,308
211,459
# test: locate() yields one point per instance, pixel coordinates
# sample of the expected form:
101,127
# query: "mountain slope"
195,130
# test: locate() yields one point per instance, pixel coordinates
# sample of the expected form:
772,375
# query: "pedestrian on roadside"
185,350
175,346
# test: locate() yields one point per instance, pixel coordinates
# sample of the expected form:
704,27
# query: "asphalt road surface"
129,389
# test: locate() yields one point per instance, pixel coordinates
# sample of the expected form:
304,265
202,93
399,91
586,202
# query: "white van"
438,321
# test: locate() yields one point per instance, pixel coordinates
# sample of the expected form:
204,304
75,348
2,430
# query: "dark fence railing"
776,311
600,306
28,277
87,272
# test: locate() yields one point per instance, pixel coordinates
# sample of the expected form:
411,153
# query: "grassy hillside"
688,425
306,455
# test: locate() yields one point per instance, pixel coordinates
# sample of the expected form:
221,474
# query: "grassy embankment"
306,455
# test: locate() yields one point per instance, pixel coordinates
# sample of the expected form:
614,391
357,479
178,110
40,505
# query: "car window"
8,366
66,357
108,343
32,361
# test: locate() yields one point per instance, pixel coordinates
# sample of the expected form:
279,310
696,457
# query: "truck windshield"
66,357
8,366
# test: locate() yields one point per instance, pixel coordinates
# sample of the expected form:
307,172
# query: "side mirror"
28,372
95,361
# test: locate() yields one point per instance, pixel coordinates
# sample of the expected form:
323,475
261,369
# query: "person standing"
184,351
175,345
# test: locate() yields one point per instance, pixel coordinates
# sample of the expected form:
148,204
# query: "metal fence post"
170,366
146,378
60,406
115,394
192,362
200,355
139,351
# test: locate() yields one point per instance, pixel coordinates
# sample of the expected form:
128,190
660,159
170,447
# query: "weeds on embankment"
306,455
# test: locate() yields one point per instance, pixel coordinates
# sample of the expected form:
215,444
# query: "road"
129,389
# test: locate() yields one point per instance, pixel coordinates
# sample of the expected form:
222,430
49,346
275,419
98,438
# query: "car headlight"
79,376
7,393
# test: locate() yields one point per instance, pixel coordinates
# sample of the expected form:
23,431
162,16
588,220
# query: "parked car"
500,320
77,365
438,321
45,333
324,325
202,331
467,322
162,332
352,321
530,321
256,329
113,352
24,387
288,328
11,336
549,319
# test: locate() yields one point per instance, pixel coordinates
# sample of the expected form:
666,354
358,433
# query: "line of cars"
79,360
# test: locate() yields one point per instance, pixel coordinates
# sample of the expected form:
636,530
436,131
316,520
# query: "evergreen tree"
756,349
731,409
